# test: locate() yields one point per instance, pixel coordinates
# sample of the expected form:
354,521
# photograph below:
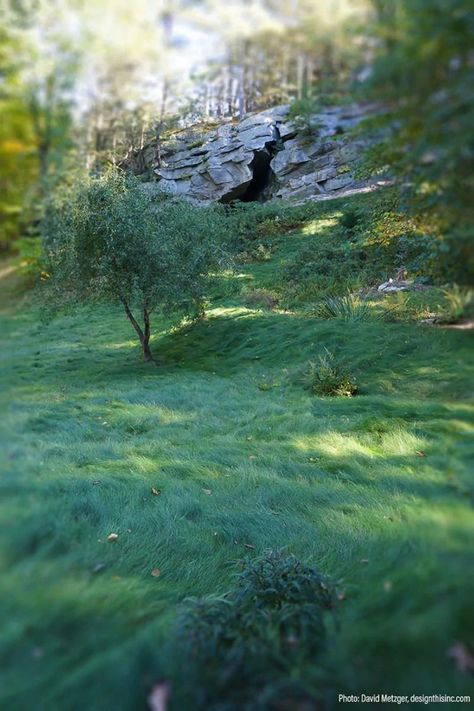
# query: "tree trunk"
147,356
143,334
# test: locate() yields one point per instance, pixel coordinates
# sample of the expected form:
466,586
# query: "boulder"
393,285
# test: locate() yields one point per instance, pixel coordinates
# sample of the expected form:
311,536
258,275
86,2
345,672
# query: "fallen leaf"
207,491
248,545
112,536
155,573
158,699
462,658
155,492
419,453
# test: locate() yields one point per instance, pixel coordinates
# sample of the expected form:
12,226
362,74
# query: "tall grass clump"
263,644
458,305
327,376
347,307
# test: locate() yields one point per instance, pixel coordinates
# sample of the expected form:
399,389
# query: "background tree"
423,72
105,239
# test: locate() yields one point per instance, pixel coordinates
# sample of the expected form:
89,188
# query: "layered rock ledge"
261,157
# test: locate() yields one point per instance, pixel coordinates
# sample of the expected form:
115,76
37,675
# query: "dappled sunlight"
315,227
229,312
333,444
336,444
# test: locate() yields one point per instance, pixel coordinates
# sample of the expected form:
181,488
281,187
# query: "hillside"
221,452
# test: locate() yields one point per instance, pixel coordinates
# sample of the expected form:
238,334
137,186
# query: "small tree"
105,238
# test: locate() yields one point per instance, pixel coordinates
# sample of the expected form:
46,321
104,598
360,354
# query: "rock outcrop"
264,156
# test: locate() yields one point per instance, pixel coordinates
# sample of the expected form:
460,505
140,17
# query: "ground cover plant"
127,489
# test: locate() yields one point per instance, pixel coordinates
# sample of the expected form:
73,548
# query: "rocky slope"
264,156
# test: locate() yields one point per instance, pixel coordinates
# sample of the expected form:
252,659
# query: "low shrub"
326,376
261,298
262,645
260,252
350,219
302,114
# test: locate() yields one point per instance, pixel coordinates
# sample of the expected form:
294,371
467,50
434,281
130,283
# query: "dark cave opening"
261,173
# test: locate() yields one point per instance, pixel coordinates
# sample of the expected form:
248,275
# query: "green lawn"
375,491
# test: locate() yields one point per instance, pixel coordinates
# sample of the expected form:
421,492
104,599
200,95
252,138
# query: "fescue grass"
375,491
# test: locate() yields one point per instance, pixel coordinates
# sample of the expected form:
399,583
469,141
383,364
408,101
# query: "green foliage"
330,266
105,239
30,258
260,645
423,62
424,74
458,305
302,115
349,219
328,376
348,307
260,252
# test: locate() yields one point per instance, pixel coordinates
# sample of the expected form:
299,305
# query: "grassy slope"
338,482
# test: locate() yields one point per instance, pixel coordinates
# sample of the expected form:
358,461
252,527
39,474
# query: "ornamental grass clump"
327,376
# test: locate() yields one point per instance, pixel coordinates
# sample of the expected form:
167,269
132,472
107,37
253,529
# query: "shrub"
350,219
302,114
261,298
258,253
262,645
326,376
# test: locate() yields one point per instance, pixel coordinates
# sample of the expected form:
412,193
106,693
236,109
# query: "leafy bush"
327,376
262,645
